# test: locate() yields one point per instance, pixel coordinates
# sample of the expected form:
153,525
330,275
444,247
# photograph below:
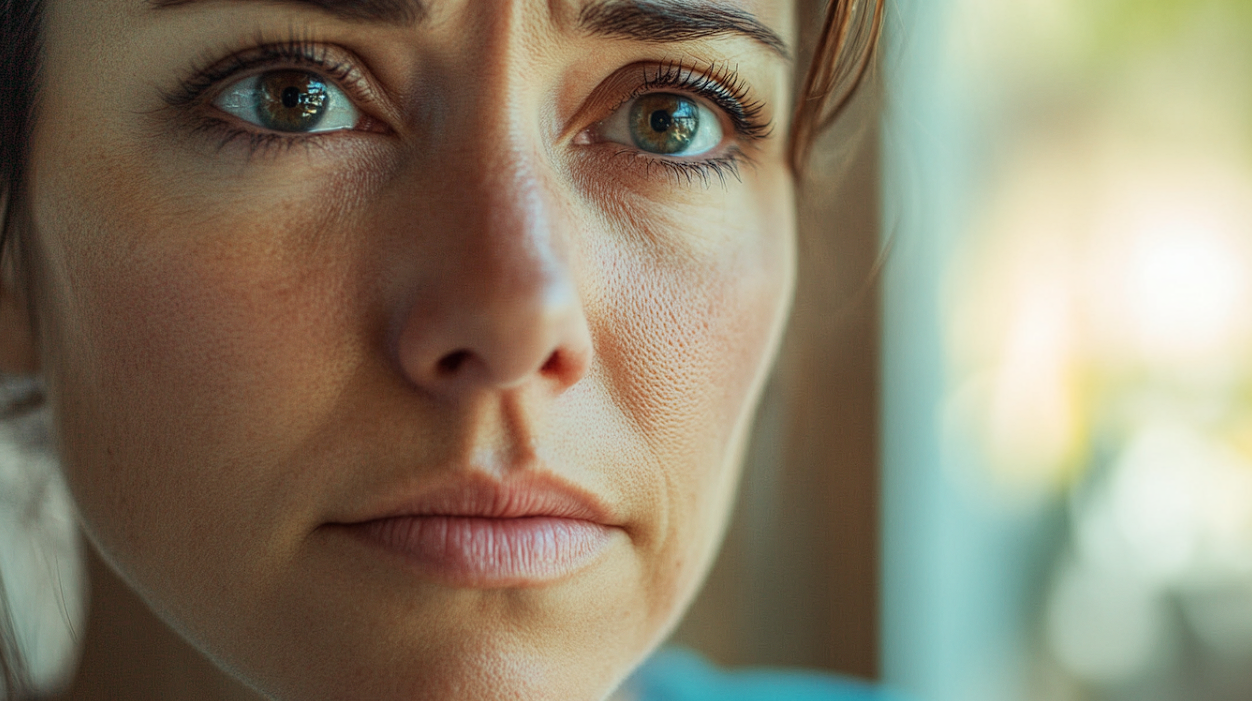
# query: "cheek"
191,350
688,328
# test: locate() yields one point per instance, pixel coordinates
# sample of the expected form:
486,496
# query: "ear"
18,354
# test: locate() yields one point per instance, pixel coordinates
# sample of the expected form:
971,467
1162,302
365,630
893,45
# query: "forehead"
765,21
754,32
413,10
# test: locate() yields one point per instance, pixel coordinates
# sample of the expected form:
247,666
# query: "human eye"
293,101
665,124
276,95
693,123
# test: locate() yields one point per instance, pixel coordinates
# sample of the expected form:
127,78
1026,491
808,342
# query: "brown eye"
665,124
290,101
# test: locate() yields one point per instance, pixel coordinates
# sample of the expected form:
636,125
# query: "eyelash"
191,93
719,85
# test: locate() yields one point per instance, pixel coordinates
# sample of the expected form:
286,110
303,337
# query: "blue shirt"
675,674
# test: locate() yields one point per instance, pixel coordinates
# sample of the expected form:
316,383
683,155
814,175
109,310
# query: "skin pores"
250,341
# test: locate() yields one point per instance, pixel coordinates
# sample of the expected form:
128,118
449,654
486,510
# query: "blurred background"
1067,350
1053,500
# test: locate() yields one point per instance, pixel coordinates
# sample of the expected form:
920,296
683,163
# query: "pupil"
661,121
291,97
664,123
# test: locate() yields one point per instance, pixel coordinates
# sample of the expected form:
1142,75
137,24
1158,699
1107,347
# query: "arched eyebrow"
657,21
663,21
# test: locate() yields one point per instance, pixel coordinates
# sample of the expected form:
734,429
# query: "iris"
293,101
664,123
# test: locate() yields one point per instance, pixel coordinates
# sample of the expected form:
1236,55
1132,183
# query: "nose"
499,307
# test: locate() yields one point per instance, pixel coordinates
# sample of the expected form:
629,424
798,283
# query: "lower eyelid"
722,168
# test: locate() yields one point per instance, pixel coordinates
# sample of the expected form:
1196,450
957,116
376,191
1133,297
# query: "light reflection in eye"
666,124
289,101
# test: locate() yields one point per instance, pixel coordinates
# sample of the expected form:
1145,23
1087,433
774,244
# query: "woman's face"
407,352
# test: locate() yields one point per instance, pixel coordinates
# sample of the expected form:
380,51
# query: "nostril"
565,367
552,365
452,362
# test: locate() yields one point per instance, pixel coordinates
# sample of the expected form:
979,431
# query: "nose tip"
485,338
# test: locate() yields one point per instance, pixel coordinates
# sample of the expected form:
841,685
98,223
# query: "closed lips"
482,534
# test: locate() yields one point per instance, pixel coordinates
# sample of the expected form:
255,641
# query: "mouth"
483,533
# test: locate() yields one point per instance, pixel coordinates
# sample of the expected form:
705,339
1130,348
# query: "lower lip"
489,552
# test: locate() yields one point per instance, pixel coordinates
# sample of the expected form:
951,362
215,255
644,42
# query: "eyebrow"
404,12
674,20
658,21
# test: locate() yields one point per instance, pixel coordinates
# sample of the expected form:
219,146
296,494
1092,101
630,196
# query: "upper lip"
531,495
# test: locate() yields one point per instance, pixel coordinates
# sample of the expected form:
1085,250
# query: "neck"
128,653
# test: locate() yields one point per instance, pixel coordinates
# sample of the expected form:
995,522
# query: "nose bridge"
517,222
513,224
496,160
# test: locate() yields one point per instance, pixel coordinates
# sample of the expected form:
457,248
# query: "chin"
510,667
375,632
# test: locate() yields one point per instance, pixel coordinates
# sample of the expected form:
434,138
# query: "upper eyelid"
745,128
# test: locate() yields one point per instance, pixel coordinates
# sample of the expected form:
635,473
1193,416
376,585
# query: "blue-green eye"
289,101
665,124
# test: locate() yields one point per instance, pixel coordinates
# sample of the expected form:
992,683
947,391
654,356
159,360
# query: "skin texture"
242,347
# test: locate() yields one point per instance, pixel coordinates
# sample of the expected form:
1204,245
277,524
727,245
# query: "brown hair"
19,67
19,63
839,63
840,55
